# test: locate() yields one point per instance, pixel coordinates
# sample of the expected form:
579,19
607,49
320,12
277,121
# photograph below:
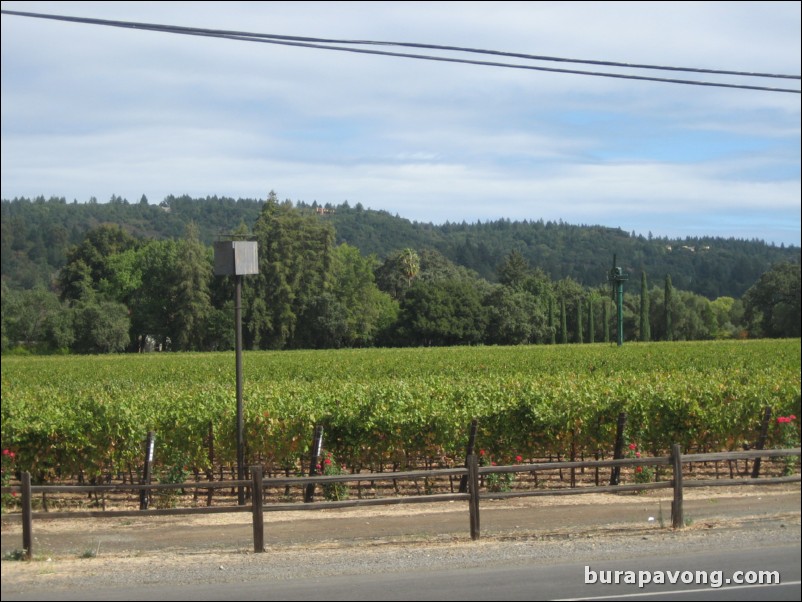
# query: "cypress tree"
645,328
669,327
591,325
563,323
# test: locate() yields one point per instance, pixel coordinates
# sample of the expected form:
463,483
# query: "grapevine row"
71,415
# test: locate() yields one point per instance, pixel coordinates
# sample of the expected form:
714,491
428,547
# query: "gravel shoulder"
218,548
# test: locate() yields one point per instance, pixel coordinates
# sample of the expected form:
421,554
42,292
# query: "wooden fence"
473,496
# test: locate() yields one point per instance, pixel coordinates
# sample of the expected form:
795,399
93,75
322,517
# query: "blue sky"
95,111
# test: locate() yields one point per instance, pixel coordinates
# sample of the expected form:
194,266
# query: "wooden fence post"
258,511
619,447
677,518
761,442
210,470
317,448
573,457
27,516
147,471
473,487
463,484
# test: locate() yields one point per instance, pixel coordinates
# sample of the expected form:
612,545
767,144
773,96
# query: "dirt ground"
73,556
557,516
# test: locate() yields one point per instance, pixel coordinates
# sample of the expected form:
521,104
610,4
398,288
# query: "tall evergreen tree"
513,270
667,309
645,329
580,335
191,298
563,323
591,324
295,269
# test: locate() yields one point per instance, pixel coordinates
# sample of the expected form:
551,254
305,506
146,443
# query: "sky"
93,111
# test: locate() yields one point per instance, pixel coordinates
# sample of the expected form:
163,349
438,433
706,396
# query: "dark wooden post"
761,441
27,516
677,518
463,484
619,447
258,511
573,457
240,411
147,471
210,470
317,447
473,487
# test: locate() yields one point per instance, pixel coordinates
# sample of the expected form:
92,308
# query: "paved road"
512,517
529,551
530,581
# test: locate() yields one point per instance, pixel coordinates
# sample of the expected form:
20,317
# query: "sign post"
237,258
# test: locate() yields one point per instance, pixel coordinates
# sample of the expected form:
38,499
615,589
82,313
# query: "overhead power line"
326,44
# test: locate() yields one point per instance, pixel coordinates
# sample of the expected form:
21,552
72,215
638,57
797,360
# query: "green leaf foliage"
401,407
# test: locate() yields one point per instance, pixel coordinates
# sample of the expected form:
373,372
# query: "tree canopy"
119,291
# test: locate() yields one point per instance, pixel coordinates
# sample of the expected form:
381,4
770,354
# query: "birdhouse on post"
235,258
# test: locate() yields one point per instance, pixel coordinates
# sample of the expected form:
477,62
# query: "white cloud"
91,111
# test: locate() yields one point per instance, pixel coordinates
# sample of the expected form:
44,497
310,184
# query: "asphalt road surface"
698,577
528,551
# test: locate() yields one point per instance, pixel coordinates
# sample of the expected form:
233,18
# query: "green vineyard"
65,416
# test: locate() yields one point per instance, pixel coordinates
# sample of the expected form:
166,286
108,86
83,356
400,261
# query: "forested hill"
37,233
711,267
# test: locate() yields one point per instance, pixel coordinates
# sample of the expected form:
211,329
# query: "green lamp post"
617,277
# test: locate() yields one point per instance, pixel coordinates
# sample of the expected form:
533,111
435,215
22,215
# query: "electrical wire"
325,44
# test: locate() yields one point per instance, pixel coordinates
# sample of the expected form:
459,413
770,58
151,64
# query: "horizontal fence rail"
472,473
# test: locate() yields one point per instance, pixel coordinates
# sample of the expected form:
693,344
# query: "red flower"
518,459
639,469
327,461
637,454
481,452
633,446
